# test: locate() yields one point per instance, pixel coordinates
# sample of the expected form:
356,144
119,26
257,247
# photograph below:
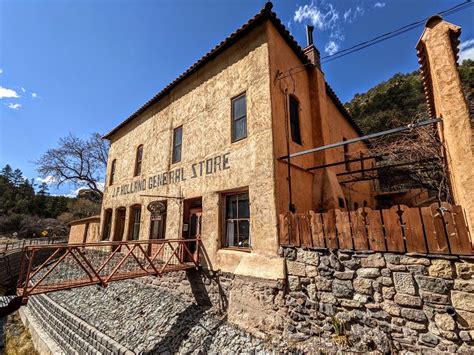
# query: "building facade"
204,156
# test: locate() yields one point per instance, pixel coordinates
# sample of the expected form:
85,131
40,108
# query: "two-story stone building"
204,153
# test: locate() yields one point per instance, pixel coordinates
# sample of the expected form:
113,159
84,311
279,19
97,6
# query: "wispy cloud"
23,89
34,95
1,71
47,179
466,50
8,93
323,17
331,47
379,4
14,106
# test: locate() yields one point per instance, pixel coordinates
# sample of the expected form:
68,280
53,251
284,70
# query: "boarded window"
107,224
138,161
112,172
295,120
239,118
135,217
237,220
177,144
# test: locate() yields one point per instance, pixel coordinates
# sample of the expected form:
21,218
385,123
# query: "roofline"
265,14
86,219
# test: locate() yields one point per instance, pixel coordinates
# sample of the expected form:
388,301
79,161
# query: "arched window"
295,119
107,224
112,172
138,160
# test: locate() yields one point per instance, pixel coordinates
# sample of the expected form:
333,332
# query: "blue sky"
83,66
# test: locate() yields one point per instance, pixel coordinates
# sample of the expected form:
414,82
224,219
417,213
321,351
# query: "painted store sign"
202,168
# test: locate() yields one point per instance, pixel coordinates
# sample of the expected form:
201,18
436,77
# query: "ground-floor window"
237,220
135,217
157,219
107,224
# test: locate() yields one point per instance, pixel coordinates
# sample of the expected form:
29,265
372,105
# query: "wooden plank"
437,243
284,229
393,230
304,227
462,231
317,232
359,232
343,229
414,236
294,237
450,228
329,227
375,230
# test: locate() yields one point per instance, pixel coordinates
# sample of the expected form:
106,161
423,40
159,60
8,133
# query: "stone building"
204,153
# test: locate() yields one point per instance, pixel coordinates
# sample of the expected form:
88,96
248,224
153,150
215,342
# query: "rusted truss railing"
49,268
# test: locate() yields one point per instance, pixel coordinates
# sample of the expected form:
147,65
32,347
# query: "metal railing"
20,244
49,268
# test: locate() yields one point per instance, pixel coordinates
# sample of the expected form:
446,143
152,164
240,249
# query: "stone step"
72,334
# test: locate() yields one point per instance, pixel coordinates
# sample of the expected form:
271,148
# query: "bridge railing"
48,268
11,246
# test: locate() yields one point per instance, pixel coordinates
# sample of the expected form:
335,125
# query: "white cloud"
48,180
1,71
379,4
34,95
23,89
10,93
13,106
331,47
466,50
323,17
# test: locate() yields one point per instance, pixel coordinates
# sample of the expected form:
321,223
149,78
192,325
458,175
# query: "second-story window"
138,161
295,120
177,144
112,172
239,118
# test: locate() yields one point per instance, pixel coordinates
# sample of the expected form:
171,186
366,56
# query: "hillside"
399,100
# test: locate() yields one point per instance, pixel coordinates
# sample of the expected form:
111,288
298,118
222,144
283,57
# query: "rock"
409,260
385,281
311,290
464,285
433,284
368,272
344,275
391,308
398,321
382,315
308,257
428,338
407,300
311,271
352,264
374,260
465,349
327,297
296,268
388,292
465,336
445,322
350,303
416,326
441,268
289,253
363,286
361,298
448,335
404,283
465,270
463,300
342,288
294,283
327,309
335,263
465,319
417,270
413,314
323,283
392,259
436,298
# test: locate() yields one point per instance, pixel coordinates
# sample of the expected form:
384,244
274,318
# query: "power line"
460,7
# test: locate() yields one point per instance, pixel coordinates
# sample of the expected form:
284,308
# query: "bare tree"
77,161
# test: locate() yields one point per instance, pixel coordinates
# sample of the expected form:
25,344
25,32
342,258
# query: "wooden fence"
437,229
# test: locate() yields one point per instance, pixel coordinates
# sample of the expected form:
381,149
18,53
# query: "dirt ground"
15,338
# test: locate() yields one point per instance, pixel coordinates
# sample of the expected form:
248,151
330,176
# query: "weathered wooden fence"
437,229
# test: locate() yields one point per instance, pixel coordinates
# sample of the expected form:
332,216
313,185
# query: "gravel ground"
150,320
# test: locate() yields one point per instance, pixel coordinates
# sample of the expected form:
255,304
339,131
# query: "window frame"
232,119
224,221
107,227
134,224
138,162
173,160
293,98
112,172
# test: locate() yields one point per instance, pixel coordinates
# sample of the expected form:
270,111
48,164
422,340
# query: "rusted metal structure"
437,229
67,266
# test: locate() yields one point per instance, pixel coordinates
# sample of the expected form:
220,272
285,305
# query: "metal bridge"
55,267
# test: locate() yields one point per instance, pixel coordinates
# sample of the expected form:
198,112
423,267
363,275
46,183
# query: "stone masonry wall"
381,301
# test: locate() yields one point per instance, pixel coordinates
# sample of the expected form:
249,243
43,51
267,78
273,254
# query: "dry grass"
17,338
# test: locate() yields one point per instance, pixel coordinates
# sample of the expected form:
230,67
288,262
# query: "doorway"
192,220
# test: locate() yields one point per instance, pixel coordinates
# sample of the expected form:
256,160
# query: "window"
177,144
295,120
239,118
135,222
138,161
341,202
112,172
346,155
237,221
157,219
107,224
